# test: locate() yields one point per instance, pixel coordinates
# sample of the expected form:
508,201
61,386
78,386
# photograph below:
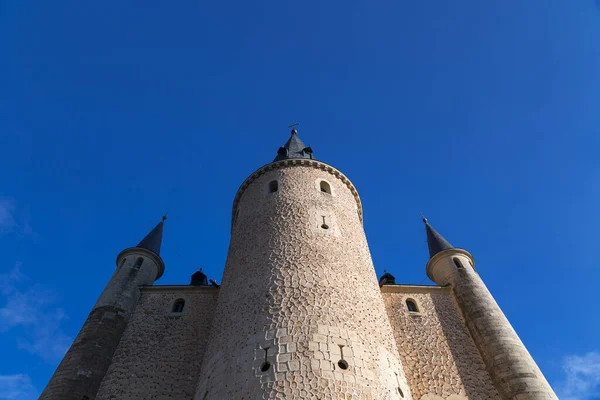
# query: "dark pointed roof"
387,279
153,240
435,241
199,278
294,148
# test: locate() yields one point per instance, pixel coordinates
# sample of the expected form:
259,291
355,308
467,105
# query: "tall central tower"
300,314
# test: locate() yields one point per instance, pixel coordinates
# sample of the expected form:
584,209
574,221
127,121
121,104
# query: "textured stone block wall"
439,357
513,370
81,371
83,367
298,296
160,353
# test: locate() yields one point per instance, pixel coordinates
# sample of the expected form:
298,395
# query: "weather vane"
293,128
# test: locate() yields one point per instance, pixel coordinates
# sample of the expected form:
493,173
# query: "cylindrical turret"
512,369
300,314
82,369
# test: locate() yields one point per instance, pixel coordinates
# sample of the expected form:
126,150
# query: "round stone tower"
83,367
512,369
300,314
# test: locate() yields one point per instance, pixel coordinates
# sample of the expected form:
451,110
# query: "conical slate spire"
153,240
435,241
294,148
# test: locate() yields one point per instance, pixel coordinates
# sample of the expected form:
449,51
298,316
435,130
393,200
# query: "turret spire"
435,241
153,240
294,148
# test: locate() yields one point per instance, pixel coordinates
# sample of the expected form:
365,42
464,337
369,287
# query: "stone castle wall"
437,352
300,297
83,368
511,367
160,353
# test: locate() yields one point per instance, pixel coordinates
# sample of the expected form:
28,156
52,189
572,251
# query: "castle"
300,313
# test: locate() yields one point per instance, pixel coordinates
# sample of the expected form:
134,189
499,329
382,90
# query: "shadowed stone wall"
160,353
300,297
83,367
437,352
79,374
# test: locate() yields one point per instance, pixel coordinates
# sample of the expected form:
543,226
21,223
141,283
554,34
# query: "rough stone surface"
160,353
299,315
82,369
437,352
512,369
300,297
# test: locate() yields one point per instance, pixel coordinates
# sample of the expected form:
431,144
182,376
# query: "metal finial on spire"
423,218
165,216
293,127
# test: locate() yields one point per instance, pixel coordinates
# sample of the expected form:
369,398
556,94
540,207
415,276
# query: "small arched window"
178,306
138,263
411,305
457,263
325,188
273,186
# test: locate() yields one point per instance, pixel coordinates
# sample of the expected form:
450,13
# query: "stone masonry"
81,371
436,349
160,353
299,313
511,367
301,296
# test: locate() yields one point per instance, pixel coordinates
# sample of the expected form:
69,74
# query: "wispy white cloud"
17,387
7,218
15,219
582,377
31,309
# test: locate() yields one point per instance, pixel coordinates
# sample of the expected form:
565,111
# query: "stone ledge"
179,288
414,289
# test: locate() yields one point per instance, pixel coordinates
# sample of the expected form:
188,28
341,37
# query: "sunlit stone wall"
439,357
300,313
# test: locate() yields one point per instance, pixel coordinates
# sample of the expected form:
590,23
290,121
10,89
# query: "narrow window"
457,263
236,215
412,307
324,225
398,382
343,364
138,263
273,186
265,365
178,306
325,188
123,262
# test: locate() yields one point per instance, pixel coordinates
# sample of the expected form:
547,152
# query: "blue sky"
482,115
